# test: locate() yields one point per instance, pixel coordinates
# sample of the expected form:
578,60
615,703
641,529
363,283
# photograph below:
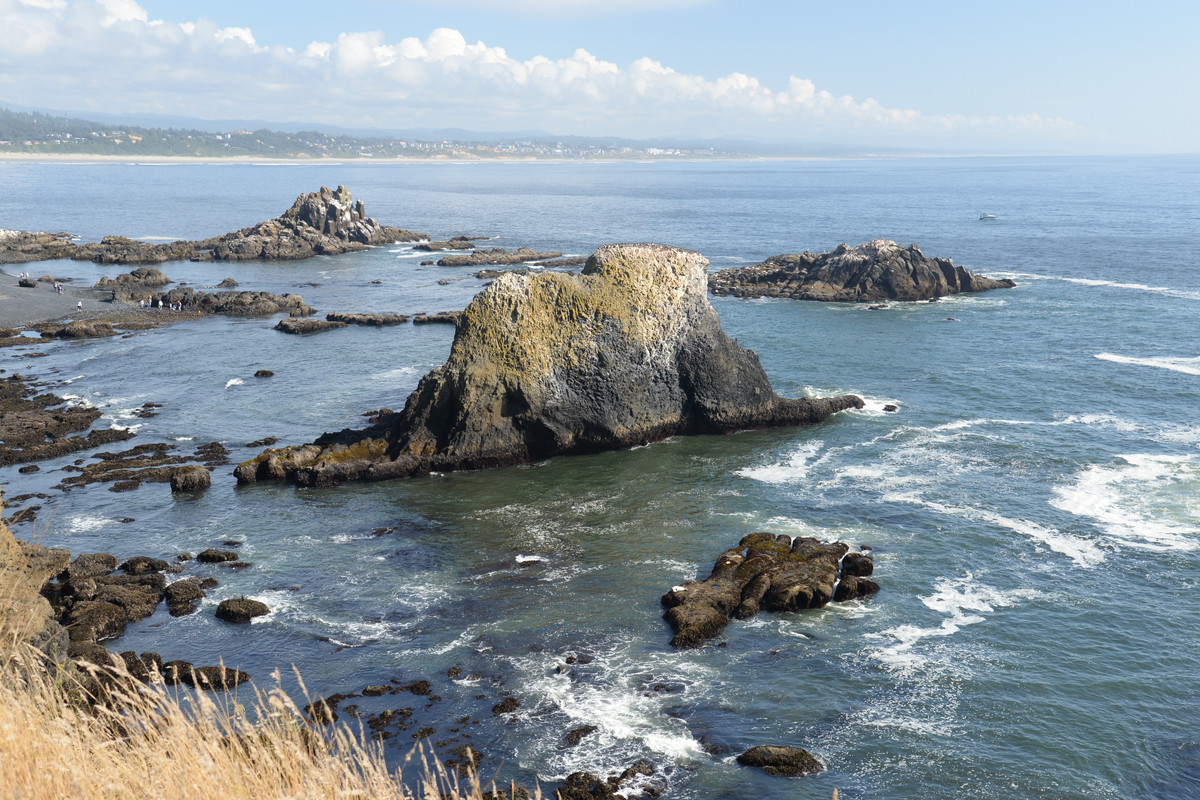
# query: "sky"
1017,76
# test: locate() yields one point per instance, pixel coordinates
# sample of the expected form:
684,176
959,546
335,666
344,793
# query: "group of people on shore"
152,303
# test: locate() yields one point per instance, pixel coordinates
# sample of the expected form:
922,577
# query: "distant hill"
38,132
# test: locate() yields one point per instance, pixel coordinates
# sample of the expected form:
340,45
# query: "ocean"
1033,506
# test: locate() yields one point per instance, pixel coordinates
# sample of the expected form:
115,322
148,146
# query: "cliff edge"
628,352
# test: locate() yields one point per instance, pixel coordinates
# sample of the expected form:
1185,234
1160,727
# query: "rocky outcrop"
325,222
370,320
192,478
35,426
768,571
628,352
456,243
783,761
135,285
496,255
241,610
440,318
873,272
298,325
233,303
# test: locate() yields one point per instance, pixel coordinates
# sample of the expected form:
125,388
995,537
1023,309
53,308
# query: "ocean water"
1034,506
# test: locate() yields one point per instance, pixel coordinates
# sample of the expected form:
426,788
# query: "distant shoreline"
86,158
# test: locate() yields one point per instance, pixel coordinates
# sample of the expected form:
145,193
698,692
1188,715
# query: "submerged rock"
876,271
299,325
628,352
768,571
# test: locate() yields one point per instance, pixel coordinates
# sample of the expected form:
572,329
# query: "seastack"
322,223
628,352
874,272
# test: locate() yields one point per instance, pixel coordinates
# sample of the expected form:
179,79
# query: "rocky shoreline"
628,352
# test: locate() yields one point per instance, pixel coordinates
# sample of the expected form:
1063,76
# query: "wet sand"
22,307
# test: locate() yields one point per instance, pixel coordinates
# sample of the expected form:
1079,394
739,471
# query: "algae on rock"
628,352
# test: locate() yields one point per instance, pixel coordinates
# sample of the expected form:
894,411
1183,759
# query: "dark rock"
376,691
764,571
321,712
576,736
83,329
36,426
183,597
234,303
241,610
92,565
141,565
215,678
442,317
31,468
214,556
264,373
296,325
27,283
457,243
495,256
781,760
876,271
505,706
626,353
373,320
891,408
228,283
193,478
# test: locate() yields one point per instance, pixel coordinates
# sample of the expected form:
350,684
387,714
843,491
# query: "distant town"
45,134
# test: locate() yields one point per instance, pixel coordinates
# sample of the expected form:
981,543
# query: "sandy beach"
22,307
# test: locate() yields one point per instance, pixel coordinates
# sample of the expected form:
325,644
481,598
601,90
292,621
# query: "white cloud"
107,54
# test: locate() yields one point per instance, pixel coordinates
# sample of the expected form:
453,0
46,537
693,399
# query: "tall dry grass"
151,742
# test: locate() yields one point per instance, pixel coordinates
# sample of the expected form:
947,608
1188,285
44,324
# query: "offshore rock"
628,352
300,325
325,222
783,761
497,256
768,571
876,271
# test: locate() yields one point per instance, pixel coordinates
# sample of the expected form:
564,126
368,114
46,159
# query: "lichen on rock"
627,352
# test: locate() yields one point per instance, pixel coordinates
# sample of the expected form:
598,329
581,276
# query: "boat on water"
987,216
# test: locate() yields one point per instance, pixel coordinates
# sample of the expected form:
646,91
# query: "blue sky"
1018,76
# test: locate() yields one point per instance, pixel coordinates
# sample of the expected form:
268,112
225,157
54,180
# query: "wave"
1182,294
234,382
1144,501
962,601
1188,366
795,468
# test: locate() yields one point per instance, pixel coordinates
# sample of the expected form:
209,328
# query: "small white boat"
987,216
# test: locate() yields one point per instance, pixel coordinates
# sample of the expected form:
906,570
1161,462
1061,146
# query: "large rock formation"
326,222
627,352
873,272
768,571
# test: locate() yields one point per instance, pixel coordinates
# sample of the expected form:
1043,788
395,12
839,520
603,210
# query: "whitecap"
234,382
394,374
1144,501
528,559
796,467
1139,287
85,523
1188,366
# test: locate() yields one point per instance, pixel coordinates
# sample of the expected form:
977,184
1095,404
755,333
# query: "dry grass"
149,742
